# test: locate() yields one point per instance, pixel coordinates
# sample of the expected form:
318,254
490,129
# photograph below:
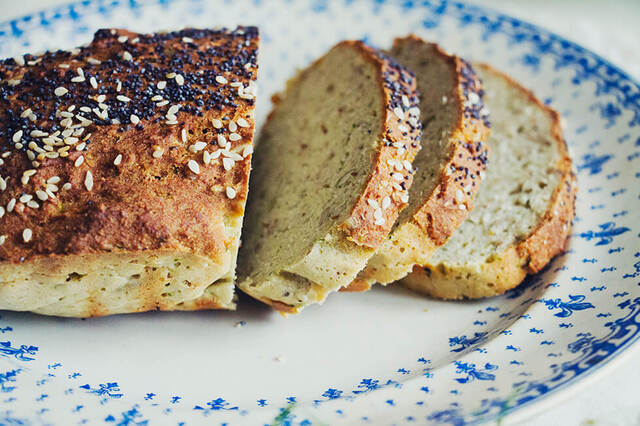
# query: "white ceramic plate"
385,356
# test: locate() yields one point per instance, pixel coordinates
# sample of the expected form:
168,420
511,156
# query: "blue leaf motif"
19,353
110,390
472,372
464,342
606,233
593,163
575,303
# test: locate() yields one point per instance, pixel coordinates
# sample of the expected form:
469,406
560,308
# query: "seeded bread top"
134,142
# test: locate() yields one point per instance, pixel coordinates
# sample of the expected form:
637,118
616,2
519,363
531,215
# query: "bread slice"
124,172
449,165
324,189
524,209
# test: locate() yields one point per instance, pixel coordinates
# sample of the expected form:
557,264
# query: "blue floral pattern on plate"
381,356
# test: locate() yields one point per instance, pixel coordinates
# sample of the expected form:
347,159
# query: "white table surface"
610,28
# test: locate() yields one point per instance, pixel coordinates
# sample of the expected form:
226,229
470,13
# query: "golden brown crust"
144,202
401,142
509,268
448,205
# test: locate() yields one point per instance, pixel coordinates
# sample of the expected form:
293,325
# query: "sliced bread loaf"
524,209
324,190
448,168
125,172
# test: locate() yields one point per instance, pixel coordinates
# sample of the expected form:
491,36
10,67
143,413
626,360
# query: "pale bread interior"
520,180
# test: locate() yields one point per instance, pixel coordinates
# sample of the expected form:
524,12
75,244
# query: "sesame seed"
123,39
197,147
228,163
398,112
101,98
27,234
3,238
78,79
222,141
123,98
118,160
248,150
206,157
66,186
242,122
81,146
24,198
215,154
216,123
407,165
414,111
17,136
386,202
373,203
183,135
193,166
156,98
179,79
234,137
118,86
162,103
473,97
11,204
13,82
19,60
405,101
33,204
187,39
27,112
127,56
161,85
94,61
60,91
134,119
404,198
220,79
171,75
232,126
79,161
231,193
71,140
462,207
41,195
157,152
29,172
173,109
397,176
459,195
3,184
88,181
93,82
171,122
63,65
379,221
